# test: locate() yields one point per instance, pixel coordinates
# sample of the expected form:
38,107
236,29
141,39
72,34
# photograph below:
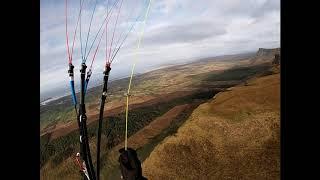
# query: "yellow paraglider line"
132,70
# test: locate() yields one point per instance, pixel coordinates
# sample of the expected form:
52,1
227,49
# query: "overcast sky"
176,31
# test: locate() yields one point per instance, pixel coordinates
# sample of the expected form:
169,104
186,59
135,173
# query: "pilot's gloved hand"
130,165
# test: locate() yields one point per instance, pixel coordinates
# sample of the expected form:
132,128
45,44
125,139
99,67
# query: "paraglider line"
132,70
94,9
108,60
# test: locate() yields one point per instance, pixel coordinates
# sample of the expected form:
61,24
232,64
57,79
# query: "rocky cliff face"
276,60
265,55
268,52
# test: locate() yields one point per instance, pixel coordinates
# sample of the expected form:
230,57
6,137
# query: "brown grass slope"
155,127
69,168
234,136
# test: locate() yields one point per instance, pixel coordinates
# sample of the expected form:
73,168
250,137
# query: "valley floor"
180,127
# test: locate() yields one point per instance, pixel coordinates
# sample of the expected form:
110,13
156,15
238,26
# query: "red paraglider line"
108,60
107,33
75,31
94,56
106,18
105,30
117,46
67,37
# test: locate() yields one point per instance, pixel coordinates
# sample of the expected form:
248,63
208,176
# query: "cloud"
183,33
176,31
267,7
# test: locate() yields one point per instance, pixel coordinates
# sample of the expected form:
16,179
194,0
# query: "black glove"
130,165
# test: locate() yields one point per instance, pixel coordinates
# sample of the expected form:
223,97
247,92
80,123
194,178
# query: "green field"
233,74
57,150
